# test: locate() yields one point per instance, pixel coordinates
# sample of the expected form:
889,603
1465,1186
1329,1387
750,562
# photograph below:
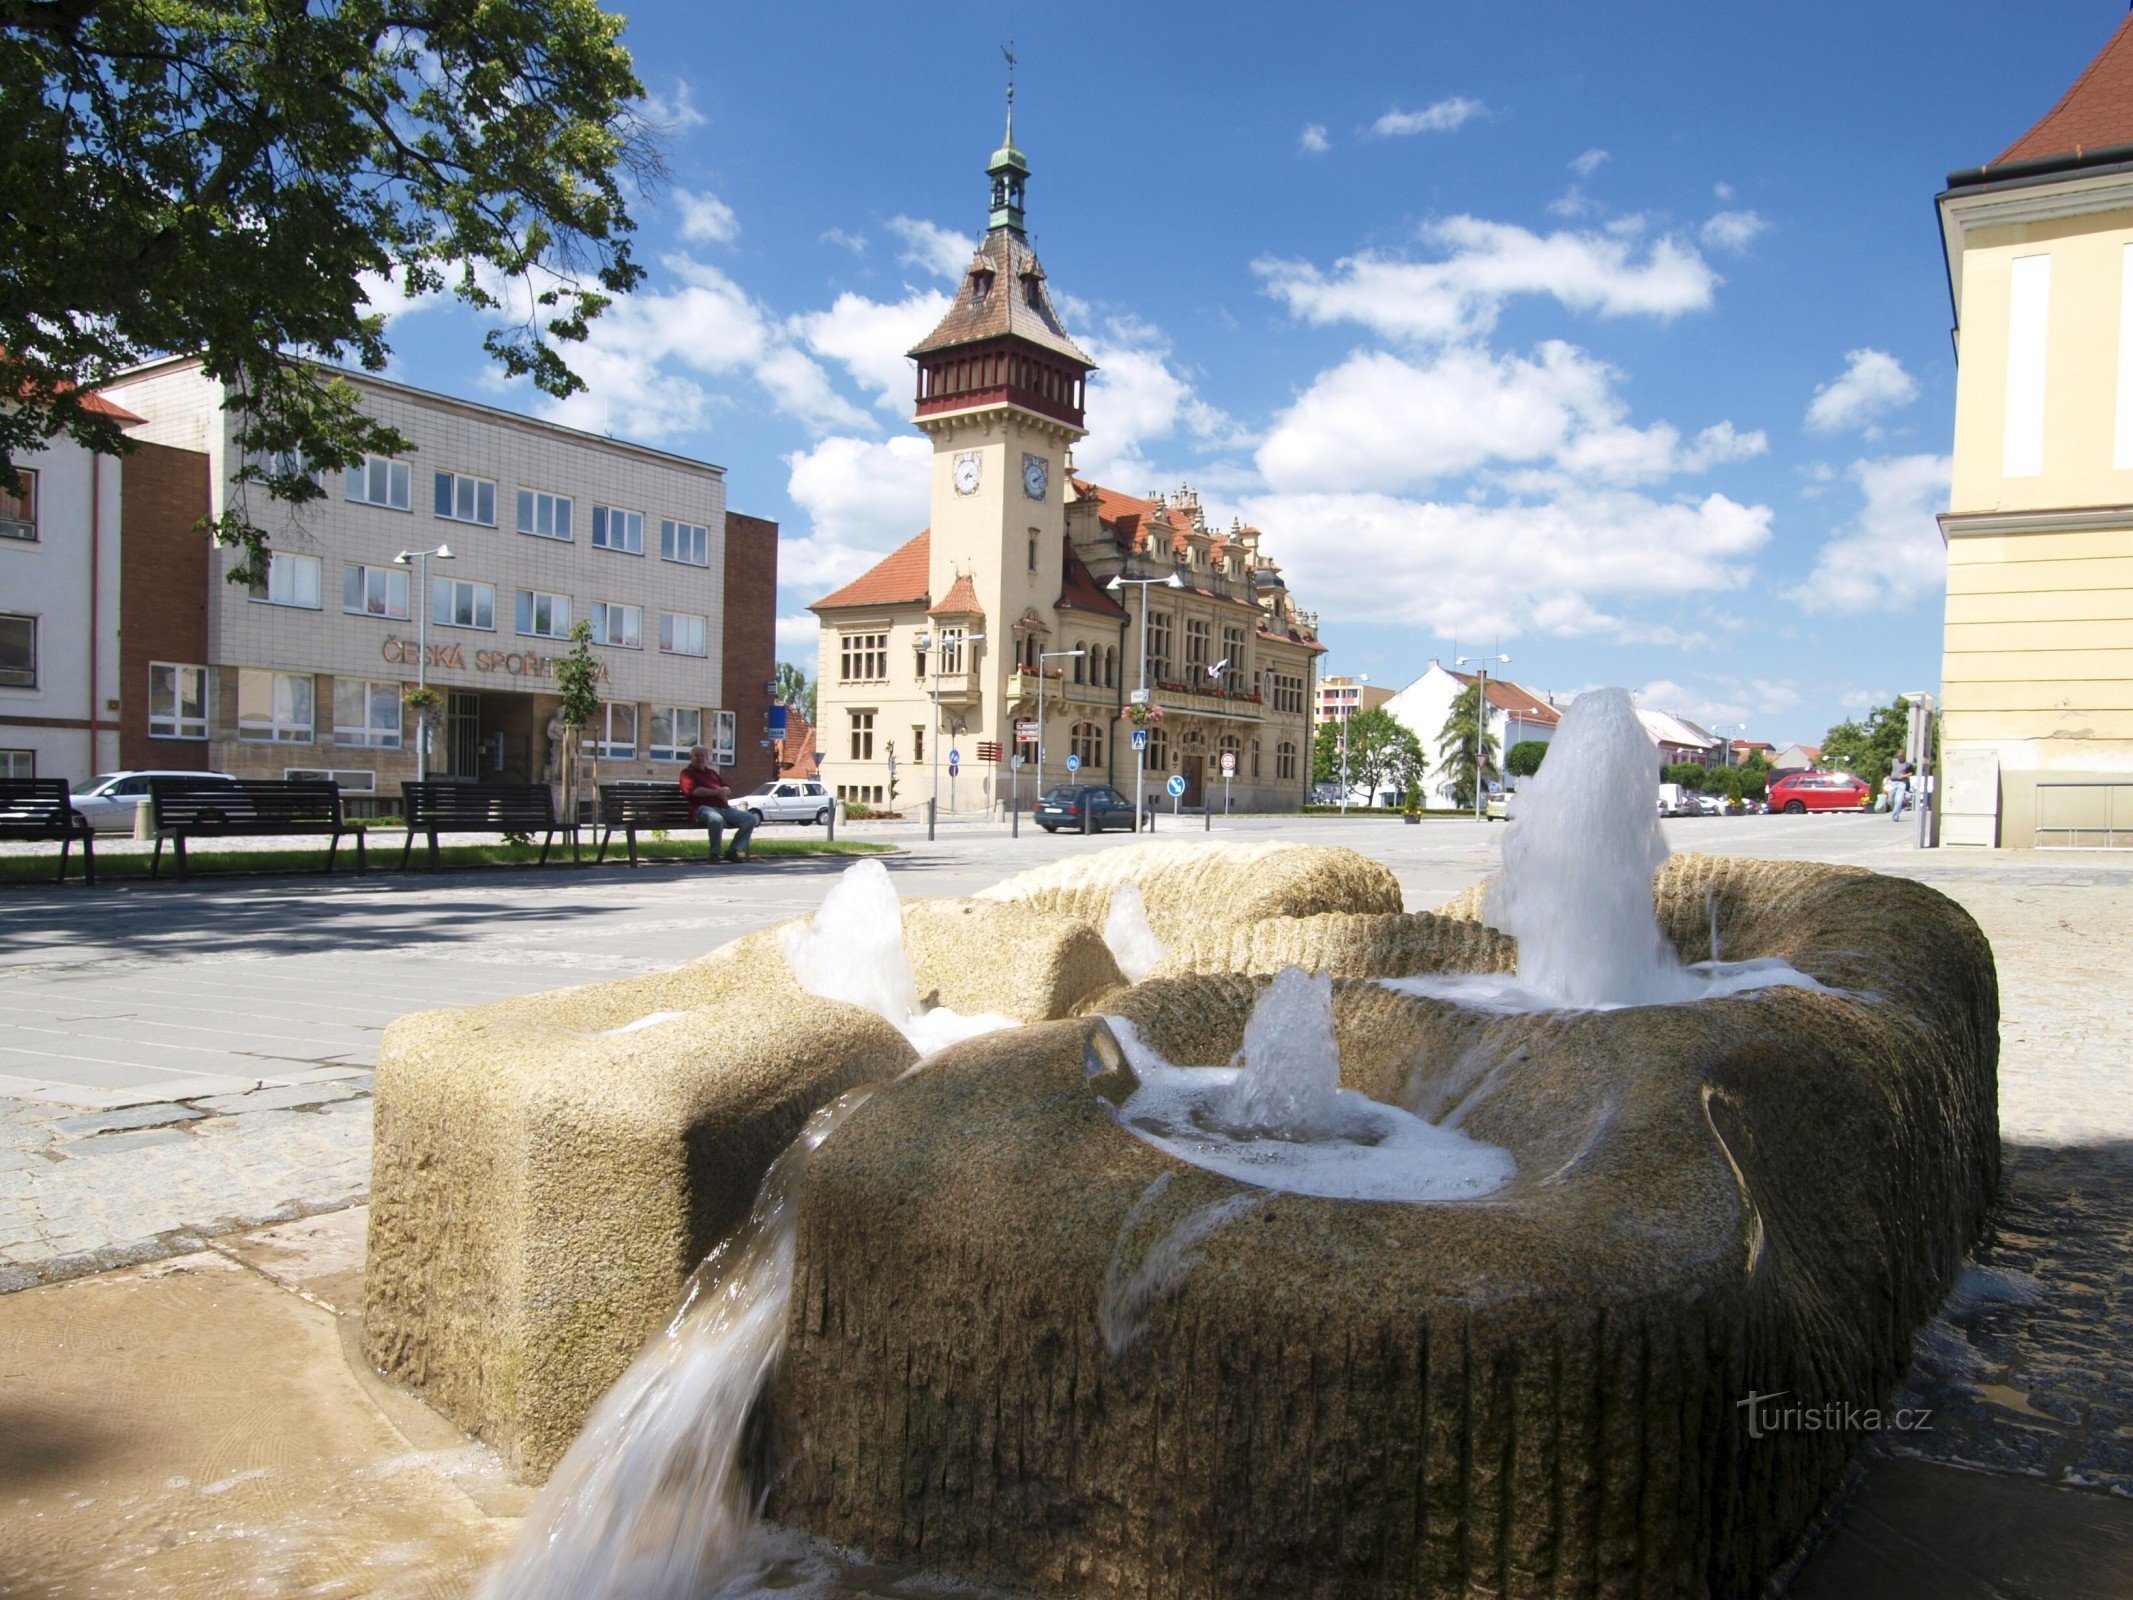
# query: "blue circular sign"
1073,763
955,760
1176,785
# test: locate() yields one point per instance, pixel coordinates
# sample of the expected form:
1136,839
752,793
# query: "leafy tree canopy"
1524,758
1868,749
795,689
1466,750
227,177
1383,752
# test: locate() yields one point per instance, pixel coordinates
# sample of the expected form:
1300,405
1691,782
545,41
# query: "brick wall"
163,595
751,651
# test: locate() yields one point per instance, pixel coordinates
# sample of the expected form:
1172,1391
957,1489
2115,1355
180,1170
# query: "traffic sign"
1140,738
1229,763
955,760
1176,785
1073,763
1025,733
1015,762
1140,697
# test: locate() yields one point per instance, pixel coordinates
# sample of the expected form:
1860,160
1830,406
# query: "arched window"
1111,667
1255,758
1088,741
1081,661
1284,760
1158,750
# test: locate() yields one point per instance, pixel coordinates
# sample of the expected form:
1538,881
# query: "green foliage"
1382,752
1867,750
1688,774
795,689
1524,758
1751,779
228,177
1466,750
577,676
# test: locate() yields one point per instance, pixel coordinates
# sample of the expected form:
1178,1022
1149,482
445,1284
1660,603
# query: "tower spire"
1008,169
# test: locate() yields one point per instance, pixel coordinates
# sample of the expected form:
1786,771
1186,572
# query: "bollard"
1088,814
929,819
1207,819
832,824
1014,821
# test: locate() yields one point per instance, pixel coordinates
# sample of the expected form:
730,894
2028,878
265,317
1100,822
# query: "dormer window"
981,282
1030,291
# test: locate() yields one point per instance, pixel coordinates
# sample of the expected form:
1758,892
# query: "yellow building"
2038,670
1006,603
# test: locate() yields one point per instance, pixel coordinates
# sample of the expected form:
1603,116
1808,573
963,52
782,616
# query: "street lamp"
1349,699
421,560
927,641
1481,728
1140,695
1042,657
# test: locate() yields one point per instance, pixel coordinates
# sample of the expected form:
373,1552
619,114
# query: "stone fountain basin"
1534,1393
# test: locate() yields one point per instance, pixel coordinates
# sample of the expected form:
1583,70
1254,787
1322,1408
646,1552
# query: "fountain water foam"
1132,941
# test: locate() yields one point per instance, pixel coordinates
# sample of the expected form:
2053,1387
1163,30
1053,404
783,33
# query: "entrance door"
1195,766
463,733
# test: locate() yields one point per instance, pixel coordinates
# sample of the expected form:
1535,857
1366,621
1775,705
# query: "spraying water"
1132,941
1290,1061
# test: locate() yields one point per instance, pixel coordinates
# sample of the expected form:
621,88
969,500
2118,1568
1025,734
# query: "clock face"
967,471
1036,474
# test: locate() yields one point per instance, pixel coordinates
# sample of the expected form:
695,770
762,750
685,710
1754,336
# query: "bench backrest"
644,805
33,803
499,807
253,805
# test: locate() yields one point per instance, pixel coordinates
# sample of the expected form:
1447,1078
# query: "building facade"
1340,698
545,526
1017,614
2037,666
1516,714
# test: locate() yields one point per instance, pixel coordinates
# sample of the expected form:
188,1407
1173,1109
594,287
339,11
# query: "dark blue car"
1084,807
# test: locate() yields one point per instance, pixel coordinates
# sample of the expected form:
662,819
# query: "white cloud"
1892,556
1872,385
1573,202
1439,117
1724,191
706,218
1732,230
1137,397
868,339
386,294
1313,139
1484,264
798,640
933,248
1588,163
861,497
671,113
1723,704
854,242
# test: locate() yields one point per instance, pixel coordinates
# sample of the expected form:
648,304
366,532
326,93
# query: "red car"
1818,791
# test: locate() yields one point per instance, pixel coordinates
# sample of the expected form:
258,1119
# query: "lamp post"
929,641
1481,726
1140,695
1349,699
1918,749
1042,657
421,561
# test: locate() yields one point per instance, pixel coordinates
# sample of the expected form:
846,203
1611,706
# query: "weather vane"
1008,50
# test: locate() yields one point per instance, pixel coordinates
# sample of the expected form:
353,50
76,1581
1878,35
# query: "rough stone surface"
1348,945
980,955
542,1187
1535,1394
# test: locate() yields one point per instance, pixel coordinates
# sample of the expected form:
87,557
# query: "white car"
111,798
788,800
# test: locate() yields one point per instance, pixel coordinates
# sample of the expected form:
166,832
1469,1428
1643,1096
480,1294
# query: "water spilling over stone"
1290,1065
1131,940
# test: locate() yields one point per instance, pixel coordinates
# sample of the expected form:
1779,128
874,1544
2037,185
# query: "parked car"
788,800
1066,806
1817,791
111,798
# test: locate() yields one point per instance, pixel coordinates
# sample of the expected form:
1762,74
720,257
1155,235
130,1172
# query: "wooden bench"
528,808
649,806
187,808
41,808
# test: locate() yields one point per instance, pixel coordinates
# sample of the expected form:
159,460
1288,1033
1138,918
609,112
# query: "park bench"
649,806
528,808
40,808
188,808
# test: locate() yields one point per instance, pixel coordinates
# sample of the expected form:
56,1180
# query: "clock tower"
1000,391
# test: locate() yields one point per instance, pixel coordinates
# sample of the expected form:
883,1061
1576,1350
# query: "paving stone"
149,1116
284,1098
112,1144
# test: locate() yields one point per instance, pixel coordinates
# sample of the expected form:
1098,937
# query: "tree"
1867,750
1524,758
577,679
1692,775
1382,752
1466,750
246,179
795,689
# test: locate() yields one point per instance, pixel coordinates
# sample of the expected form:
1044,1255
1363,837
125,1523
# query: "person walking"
1899,788
707,792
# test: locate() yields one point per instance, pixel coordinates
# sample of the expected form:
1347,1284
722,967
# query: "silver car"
788,800
111,798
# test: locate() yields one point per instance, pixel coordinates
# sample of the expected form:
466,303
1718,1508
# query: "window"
1111,667
288,464
681,634
1081,661
18,512
918,743
723,728
918,652
863,793
543,616
1087,740
864,658
1196,663
862,736
615,730
687,542
621,626
456,603
1033,549
544,515
1233,653
177,701
616,529
18,763
676,730
1255,758
374,591
464,499
274,707
18,652
1159,644
376,481
291,581
1285,760
349,780
366,713
1158,757
952,649
1288,693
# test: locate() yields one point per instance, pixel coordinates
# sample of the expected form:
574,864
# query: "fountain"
1269,1253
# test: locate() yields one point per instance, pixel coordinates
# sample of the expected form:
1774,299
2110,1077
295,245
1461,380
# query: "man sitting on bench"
705,789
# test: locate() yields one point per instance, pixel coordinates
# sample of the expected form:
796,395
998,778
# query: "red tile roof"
2094,114
1520,702
1015,301
1079,590
798,754
961,600
897,579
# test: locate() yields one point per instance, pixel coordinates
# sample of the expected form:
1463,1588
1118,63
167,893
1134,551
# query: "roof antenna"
1008,50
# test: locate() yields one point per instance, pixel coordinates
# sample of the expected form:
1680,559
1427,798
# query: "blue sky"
1615,338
